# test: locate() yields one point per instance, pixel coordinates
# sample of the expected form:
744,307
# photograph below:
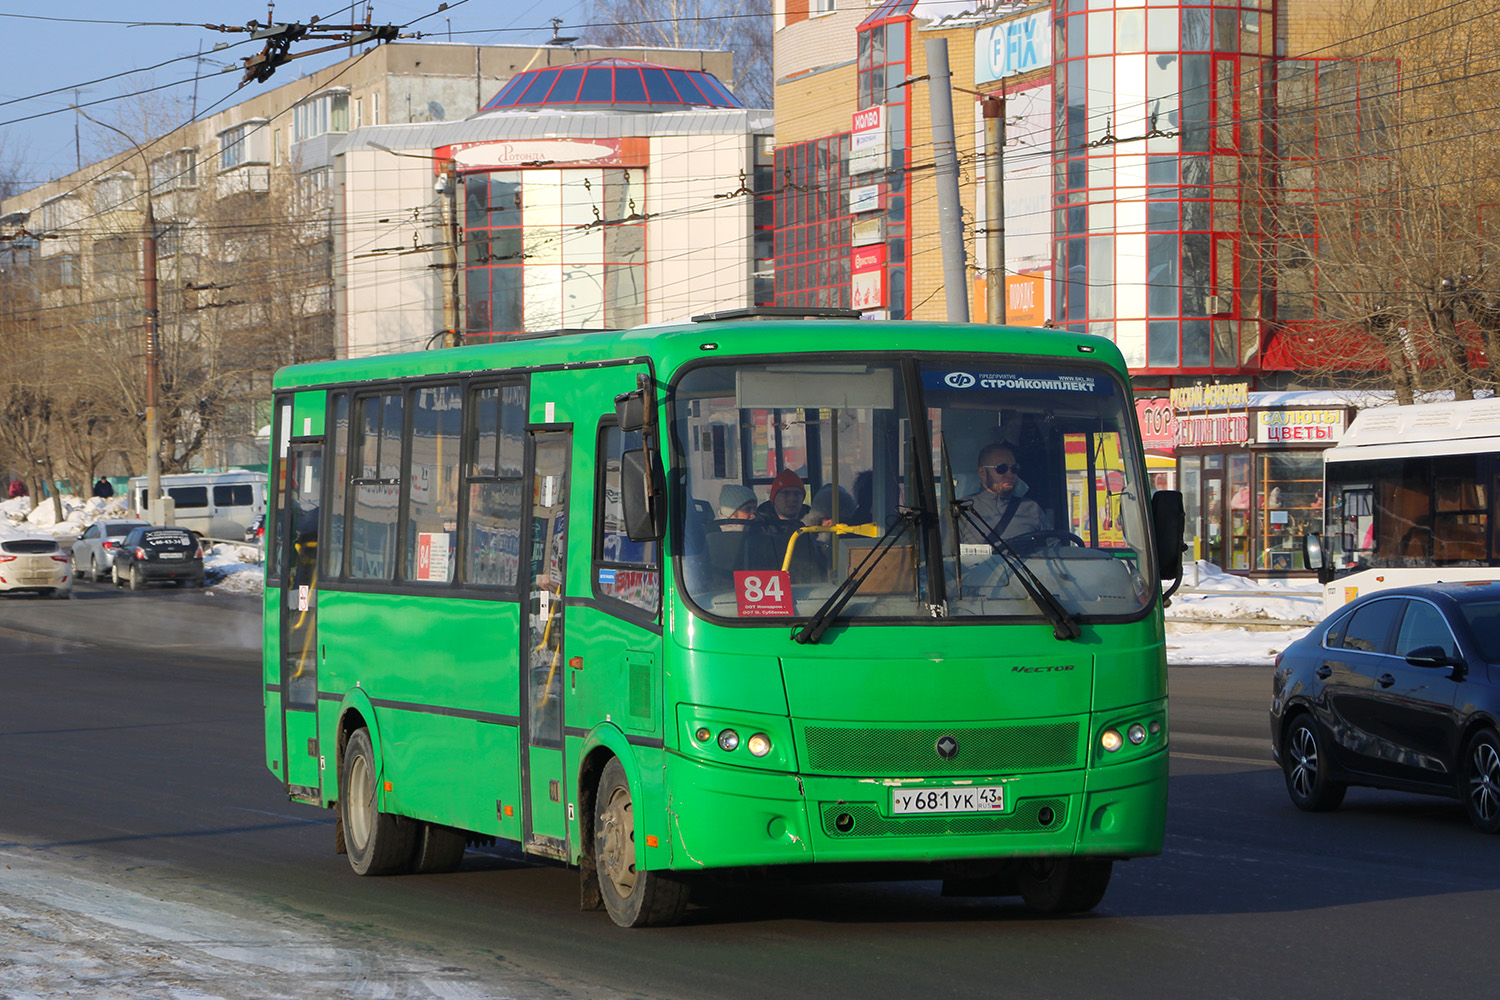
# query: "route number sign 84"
761,593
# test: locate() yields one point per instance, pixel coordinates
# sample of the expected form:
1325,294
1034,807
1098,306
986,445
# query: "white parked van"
214,504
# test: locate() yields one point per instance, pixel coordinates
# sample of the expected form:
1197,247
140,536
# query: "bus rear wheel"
439,849
634,898
378,843
1056,886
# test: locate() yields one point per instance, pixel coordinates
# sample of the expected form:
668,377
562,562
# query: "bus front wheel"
634,898
378,843
1064,885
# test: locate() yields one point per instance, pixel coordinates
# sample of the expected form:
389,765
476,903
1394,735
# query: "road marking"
1260,762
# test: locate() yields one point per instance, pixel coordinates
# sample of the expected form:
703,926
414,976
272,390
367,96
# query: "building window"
59,271
115,259
55,214
321,114
313,191
554,249
168,239
113,192
814,229
175,170
232,148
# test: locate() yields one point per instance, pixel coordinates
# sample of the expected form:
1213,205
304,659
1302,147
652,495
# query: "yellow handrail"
867,530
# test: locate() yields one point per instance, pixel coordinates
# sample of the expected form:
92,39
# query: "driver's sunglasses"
1004,467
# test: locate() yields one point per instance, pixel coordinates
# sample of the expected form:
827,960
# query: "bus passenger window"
492,532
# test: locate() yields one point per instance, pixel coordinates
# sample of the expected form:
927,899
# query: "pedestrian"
18,489
103,489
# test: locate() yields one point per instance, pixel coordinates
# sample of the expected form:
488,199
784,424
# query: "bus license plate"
972,798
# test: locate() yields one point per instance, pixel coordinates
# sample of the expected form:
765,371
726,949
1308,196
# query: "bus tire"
1056,886
634,898
439,849
378,843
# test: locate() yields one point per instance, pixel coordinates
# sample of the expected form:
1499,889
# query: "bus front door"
298,515
543,774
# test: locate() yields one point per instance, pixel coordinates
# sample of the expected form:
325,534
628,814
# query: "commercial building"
1134,156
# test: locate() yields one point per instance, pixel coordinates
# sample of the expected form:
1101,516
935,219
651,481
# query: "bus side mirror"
1315,557
638,496
630,410
1169,520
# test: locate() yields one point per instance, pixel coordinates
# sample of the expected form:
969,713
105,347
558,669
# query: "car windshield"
795,476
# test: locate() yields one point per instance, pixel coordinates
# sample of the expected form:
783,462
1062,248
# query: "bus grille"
868,821
912,752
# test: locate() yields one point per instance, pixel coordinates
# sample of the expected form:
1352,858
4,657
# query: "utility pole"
148,288
994,205
945,154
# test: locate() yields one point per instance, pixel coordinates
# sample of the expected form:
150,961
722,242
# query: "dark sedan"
152,553
1399,689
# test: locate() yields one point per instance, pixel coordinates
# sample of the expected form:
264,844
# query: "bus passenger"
736,502
1000,502
775,520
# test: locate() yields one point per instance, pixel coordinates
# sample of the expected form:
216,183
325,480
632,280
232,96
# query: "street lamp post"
148,282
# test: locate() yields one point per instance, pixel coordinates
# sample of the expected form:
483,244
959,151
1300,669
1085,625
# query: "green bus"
540,591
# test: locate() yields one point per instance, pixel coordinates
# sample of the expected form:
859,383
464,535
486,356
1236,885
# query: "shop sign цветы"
1279,426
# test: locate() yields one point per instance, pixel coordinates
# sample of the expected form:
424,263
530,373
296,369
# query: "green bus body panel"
849,718
270,644
309,411
440,674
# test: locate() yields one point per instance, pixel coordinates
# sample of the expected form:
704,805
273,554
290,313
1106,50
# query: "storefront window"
1238,485
1291,490
1188,472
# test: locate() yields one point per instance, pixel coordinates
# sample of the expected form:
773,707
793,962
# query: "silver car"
94,552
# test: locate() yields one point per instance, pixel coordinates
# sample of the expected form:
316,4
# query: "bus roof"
670,346
1457,427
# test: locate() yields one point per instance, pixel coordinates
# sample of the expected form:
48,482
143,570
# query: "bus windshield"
795,475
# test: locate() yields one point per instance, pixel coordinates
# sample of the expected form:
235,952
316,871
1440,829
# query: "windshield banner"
1022,381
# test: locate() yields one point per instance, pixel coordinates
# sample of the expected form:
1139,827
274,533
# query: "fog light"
729,740
1110,739
759,745
1155,727
1136,733
702,735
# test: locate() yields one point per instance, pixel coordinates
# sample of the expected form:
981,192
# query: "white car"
94,552
37,564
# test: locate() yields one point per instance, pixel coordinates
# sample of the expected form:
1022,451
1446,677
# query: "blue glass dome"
616,84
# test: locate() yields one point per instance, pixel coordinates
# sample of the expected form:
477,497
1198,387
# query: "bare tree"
744,29
1384,169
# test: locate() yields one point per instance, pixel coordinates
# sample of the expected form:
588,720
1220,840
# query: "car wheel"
1058,886
63,594
137,578
94,568
378,843
634,898
1481,781
1306,766
114,574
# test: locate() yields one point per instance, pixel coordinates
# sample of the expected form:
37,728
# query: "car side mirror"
1432,656
1169,521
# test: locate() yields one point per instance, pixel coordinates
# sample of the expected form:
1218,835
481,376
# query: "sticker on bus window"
763,593
1034,381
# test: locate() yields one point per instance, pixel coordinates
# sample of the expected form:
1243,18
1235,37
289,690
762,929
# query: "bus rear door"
543,775
299,516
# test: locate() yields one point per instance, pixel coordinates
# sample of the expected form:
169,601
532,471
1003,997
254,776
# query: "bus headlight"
1136,734
1110,740
729,740
759,745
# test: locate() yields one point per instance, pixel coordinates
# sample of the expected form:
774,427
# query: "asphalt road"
130,735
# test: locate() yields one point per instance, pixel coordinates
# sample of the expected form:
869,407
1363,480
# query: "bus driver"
1000,502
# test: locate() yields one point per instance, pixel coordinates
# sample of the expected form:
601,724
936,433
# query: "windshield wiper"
824,616
1064,627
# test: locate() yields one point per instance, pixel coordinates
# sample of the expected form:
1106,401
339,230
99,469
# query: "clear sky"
84,44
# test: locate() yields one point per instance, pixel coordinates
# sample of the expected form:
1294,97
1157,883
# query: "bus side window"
625,570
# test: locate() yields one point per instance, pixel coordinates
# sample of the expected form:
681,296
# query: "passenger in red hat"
775,520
